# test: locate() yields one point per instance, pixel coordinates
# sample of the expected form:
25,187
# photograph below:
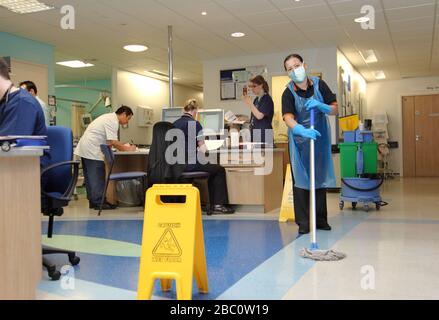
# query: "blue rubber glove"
314,104
301,131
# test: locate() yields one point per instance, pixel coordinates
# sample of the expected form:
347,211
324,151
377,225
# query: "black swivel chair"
158,155
58,185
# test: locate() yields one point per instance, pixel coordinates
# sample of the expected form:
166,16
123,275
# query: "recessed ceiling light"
25,6
135,48
238,34
362,19
369,56
75,64
204,13
380,75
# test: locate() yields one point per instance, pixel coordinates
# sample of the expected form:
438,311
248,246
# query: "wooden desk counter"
20,224
245,185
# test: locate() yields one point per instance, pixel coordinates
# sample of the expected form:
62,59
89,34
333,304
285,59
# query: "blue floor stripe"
233,249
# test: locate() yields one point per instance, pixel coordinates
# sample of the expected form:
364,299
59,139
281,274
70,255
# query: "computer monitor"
171,114
86,119
212,121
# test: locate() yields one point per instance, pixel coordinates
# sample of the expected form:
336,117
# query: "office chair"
194,178
158,155
123,176
58,184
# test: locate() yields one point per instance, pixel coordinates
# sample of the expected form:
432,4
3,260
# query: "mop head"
322,255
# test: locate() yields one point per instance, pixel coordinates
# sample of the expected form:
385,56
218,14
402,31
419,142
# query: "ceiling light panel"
76,64
25,6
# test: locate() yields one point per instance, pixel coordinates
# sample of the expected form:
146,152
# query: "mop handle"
312,201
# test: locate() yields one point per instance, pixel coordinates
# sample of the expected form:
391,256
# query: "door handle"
418,137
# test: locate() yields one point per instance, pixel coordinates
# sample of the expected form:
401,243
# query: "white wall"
320,60
358,85
387,96
136,90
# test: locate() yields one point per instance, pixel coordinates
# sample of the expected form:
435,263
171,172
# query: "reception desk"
247,180
20,224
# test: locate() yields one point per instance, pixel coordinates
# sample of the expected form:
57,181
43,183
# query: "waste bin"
130,193
348,159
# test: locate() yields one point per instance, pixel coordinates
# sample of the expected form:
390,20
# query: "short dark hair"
29,86
124,109
294,55
4,69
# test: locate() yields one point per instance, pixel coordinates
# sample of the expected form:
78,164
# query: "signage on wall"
233,81
52,101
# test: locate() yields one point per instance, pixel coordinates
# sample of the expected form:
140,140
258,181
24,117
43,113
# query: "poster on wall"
233,81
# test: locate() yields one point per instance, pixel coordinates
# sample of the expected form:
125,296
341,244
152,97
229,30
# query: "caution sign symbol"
167,246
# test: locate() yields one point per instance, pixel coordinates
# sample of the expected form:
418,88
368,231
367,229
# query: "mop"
314,253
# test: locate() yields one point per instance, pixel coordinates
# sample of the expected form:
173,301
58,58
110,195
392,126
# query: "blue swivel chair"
58,184
123,176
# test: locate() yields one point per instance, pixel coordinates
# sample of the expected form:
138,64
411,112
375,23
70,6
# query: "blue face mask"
298,75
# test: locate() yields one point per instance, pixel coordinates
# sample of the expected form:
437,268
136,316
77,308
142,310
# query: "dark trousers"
301,199
217,182
301,207
94,175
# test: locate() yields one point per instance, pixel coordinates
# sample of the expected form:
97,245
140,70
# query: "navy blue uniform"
265,105
21,115
192,129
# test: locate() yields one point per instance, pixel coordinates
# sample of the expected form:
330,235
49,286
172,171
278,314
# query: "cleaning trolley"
359,166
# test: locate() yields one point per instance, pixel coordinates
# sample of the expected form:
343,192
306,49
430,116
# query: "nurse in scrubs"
303,94
262,111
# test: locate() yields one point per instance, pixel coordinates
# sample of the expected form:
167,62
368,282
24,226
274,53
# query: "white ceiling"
406,38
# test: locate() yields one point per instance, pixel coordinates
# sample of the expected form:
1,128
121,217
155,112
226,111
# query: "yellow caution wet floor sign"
287,208
173,243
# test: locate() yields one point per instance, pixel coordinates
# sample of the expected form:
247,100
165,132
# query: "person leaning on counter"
262,109
103,130
217,180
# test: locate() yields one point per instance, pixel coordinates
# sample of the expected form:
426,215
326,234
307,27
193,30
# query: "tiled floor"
392,254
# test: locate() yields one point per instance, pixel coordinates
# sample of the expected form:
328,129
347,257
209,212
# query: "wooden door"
409,141
427,135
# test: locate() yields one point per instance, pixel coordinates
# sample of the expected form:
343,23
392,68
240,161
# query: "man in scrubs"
103,130
302,95
20,113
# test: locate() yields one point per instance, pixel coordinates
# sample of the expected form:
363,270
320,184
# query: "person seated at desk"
262,110
217,181
103,130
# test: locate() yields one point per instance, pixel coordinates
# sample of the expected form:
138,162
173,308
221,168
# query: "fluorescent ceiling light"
238,34
135,48
369,56
25,6
379,75
362,19
75,64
